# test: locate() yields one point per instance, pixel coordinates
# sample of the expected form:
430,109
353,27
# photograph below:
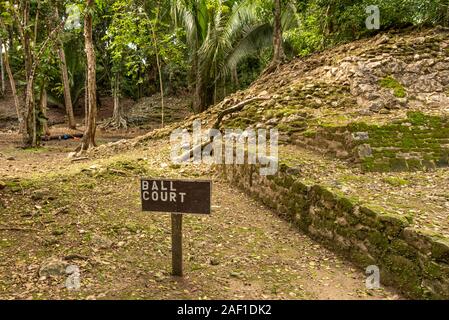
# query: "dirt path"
242,251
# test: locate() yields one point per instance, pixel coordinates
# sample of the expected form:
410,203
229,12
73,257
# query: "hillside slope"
380,103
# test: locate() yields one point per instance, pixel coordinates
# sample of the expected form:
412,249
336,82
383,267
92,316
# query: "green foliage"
325,23
224,43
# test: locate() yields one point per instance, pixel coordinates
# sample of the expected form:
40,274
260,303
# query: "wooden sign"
176,196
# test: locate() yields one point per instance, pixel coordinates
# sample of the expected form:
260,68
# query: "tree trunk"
66,83
203,96
29,135
29,132
235,78
159,68
2,70
118,120
86,98
12,83
279,54
43,103
65,80
91,117
161,86
200,96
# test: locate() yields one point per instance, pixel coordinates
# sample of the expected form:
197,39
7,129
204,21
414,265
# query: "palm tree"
220,38
211,34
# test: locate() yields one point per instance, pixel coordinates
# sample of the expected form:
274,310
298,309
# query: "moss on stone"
440,250
400,247
398,165
345,205
391,83
404,273
298,188
393,224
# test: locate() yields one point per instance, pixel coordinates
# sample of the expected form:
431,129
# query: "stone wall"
418,142
414,261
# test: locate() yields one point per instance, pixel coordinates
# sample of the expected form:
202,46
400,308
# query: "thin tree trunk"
193,73
89,134
12,83
36,23
279,54
66,83
2,70
86,99
215,83
159,70
29,135
117,118
65,80
195,80
199,98
203,96
235,76
29,132
43,108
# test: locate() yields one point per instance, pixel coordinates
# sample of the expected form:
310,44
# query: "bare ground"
242,251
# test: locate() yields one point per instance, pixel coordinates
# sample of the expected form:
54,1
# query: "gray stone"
101,242
40,194
360,136
53,267
365,151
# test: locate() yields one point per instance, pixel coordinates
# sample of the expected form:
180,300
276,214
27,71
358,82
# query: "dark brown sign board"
176,196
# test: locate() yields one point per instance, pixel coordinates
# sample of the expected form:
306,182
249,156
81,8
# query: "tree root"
117,124
238,107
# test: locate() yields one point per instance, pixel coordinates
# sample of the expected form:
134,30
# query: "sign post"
177,197
176,244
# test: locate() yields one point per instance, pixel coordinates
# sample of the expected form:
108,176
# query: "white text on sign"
161,191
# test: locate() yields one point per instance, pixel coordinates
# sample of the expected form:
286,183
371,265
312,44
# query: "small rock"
40,194
238,275
11,159
360,136
101,242
2,185
272,121
53,267
214,262
365,151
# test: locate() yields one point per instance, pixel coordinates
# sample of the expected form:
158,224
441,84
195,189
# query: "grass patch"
391,83
396,182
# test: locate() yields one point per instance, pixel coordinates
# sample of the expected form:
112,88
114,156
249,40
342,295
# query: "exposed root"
115,123
238,107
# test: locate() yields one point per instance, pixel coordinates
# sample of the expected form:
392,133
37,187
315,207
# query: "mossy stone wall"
414,261
418,142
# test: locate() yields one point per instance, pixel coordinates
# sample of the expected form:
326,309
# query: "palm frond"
254,39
